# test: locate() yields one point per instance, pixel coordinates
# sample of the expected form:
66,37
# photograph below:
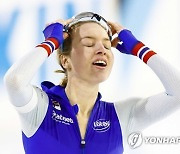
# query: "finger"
115,26
112,28
114,42
113,31
65,35
64,22
69,20
112,24
61,21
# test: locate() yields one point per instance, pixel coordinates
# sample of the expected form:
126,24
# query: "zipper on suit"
83,144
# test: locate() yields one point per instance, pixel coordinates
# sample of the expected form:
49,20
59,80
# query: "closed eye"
89,45
87,42
108,47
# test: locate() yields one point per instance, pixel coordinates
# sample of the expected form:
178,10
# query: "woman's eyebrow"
88,37
91,37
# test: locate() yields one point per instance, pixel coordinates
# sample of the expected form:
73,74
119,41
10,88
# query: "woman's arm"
17,79
31,102
161,105
137,114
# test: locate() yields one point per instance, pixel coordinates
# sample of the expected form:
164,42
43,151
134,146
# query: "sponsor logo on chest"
101,125
56,104
62,119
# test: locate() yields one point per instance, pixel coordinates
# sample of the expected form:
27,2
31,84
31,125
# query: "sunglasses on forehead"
91,17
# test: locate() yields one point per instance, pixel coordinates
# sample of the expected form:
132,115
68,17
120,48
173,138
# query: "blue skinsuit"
59,132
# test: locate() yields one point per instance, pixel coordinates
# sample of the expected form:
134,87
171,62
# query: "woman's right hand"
62,22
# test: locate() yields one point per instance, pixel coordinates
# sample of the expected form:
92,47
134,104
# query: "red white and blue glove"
130,45
53,37
54,30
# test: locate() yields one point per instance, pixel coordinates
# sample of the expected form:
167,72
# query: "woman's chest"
82,122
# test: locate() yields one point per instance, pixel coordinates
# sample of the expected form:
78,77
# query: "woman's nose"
100,49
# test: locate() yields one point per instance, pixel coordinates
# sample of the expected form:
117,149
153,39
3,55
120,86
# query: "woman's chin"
101,79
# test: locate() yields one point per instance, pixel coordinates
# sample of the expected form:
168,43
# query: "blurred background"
155,22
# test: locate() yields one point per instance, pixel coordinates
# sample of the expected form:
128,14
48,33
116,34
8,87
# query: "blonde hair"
65,49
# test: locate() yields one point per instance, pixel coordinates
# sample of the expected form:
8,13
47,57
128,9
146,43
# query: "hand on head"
63,22
115,28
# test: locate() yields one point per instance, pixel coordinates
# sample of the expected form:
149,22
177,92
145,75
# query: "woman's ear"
65,62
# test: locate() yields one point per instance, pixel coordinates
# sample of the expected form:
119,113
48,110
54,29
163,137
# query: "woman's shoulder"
131,100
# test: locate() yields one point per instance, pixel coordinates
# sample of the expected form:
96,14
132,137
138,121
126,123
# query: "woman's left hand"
115,28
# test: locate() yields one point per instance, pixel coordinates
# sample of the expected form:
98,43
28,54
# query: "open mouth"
100,63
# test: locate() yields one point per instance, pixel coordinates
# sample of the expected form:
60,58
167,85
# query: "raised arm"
30,102
18,77
137,114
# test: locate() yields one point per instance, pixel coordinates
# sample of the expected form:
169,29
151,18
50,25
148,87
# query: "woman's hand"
62,22
115,28
128,41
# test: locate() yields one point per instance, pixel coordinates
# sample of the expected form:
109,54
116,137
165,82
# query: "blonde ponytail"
64,81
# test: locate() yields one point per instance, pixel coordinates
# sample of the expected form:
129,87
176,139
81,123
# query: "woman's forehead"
91,29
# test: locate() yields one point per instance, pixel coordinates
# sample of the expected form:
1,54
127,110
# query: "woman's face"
91,58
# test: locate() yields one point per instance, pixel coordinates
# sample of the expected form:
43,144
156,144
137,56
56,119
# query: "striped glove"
54,30
130,45
53,37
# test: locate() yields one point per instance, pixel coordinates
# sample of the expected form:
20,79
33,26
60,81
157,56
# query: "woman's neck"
83,94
